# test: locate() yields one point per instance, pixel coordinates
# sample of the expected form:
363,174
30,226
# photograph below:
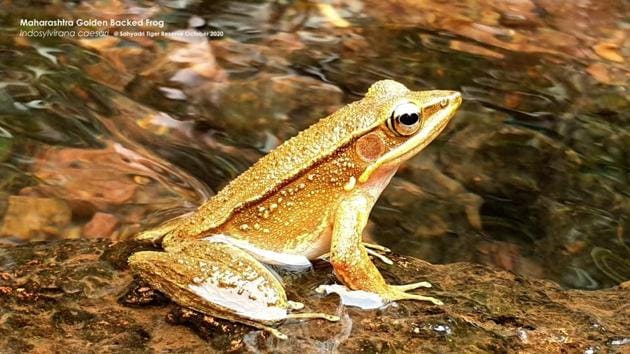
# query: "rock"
276,100
98,178
101,225
116,181
69,295
30,218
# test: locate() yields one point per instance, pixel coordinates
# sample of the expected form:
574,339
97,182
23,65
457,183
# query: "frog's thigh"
215,278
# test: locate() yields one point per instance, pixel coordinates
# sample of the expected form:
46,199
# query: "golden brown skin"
310,196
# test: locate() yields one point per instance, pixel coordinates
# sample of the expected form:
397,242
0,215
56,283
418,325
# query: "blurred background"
104,136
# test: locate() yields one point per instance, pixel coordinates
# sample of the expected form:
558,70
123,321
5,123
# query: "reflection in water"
615,266
113,134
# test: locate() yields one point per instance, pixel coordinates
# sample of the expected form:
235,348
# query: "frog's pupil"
409,119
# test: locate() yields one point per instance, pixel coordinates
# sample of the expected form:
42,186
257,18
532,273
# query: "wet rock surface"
79,296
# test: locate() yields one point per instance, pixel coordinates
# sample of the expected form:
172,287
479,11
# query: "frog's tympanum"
310,196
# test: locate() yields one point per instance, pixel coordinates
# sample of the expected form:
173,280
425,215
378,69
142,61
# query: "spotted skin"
310,196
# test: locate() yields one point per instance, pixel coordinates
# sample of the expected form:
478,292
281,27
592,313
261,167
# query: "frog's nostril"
453,98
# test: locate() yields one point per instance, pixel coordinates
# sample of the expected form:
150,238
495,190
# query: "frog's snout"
449,98
456,98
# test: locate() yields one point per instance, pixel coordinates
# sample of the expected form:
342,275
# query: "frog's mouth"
429,131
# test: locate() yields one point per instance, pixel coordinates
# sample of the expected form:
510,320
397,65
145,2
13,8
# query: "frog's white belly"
263,255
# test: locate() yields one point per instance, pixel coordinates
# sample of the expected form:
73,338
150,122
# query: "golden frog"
310,196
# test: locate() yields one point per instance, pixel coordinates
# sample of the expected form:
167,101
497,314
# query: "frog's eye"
405,119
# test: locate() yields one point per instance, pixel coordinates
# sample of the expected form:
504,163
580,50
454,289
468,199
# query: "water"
107,136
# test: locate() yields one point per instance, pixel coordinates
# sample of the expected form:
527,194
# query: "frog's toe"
395,293
412,286
376,247
311,315
384,259
294,305
274,332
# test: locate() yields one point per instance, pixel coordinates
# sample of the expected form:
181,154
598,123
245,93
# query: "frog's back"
290,160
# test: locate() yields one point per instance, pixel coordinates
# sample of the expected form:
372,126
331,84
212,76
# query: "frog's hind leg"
156,234
217,279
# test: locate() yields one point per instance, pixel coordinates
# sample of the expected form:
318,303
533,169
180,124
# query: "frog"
309,197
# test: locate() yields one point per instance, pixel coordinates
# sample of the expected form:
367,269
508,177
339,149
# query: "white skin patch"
358,298
241,304
265,256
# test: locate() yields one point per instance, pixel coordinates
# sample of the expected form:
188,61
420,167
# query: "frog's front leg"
350,258
220,280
